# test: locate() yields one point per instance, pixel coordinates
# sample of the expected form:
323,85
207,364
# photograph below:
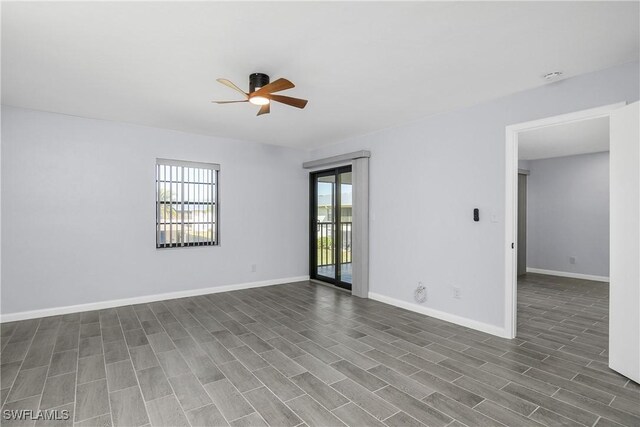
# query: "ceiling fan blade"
265,109
230,102
275,86
294,102
232,86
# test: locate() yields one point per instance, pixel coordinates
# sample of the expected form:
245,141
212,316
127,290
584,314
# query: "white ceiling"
567,139
364,66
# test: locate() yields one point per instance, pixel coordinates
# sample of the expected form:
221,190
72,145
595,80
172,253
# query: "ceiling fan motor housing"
257,80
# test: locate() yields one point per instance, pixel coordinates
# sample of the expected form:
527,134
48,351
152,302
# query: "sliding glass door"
331,226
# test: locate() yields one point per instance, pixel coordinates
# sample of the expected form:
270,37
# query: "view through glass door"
331,226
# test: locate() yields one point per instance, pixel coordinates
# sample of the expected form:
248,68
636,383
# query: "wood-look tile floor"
304,354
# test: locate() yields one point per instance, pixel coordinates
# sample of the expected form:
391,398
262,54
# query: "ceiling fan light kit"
259,100
261,92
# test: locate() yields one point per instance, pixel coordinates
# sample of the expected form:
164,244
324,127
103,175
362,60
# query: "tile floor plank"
416,408
352,415
278,383
325,395
120,375
206,416
59,391
189,391
92,400
312,413
274,412
128,408
358,375
166,411
91,368
239,376
401,382
321,370
28,383
459,411
228,400
153,383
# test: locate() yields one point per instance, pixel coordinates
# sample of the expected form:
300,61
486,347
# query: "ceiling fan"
261,92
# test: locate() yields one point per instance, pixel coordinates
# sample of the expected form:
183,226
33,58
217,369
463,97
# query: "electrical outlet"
572,260
254,268
457,292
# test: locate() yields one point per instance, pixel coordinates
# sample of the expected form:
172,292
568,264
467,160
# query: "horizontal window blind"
186,203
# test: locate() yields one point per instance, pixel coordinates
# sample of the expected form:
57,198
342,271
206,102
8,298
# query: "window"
186,204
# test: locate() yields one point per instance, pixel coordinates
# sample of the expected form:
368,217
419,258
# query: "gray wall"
568,214
523,164
426,177
78,212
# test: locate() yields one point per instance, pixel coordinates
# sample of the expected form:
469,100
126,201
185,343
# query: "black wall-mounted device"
476,214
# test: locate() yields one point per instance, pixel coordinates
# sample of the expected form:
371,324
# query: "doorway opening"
563,239
331,226
517,205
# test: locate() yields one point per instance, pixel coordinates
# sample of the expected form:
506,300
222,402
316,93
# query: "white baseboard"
568,274
448,317
55,311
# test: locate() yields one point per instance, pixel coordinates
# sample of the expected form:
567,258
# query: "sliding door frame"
359,161
336,226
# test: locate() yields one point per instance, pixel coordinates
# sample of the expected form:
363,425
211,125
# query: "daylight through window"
186,204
